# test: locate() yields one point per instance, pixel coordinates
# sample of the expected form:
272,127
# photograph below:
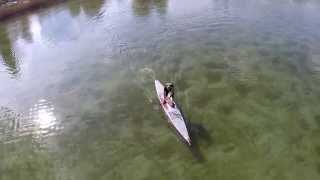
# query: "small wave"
146,78
315,67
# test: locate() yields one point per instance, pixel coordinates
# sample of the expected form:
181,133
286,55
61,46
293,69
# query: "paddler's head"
169,86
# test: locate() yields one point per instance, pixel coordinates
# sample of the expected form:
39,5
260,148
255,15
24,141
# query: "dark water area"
77,98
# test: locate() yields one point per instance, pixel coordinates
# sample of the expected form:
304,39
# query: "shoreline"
18,7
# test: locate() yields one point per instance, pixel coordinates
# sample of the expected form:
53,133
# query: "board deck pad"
173,113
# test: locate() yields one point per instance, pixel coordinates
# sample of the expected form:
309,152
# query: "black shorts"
166,92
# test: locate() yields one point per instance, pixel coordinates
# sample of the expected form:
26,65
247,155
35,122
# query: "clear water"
77,99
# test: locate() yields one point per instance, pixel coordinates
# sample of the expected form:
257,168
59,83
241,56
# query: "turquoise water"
77,98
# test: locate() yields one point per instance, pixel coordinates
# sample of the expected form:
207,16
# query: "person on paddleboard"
168,94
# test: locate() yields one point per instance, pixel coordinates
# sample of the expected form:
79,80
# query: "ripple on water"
317,119
315,66
242,89
216,65
39,122
214,76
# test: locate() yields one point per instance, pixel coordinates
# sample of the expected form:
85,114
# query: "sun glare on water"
42,115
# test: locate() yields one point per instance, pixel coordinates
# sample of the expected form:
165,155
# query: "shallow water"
77,99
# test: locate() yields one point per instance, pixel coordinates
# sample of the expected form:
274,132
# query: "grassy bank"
13,8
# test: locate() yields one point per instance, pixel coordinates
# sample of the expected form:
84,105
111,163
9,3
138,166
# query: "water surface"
77,99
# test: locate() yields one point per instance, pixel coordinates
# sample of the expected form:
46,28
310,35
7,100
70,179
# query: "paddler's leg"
165,95
170,99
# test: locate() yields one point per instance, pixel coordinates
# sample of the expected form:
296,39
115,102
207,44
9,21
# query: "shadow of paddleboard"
198,133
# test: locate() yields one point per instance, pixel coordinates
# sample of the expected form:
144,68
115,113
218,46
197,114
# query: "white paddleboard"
174,115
